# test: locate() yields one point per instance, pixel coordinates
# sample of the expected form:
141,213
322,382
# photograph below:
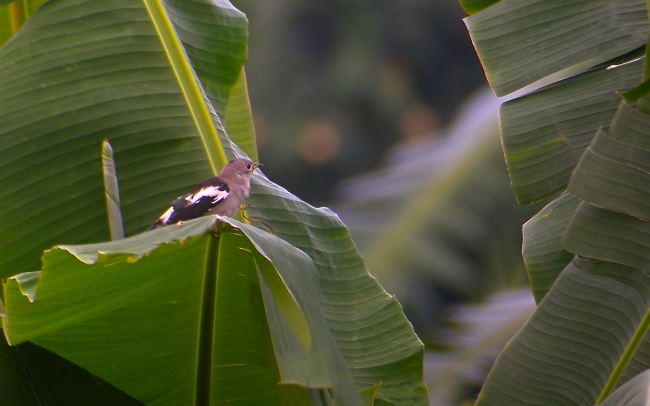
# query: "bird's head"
242,167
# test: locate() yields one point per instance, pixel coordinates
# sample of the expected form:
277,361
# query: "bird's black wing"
195,204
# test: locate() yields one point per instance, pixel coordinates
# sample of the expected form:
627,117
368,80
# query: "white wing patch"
166,215
213,192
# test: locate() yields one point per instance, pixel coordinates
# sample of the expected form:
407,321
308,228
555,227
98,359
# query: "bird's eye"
249,166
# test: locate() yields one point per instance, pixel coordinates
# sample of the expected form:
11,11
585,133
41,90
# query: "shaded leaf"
522,41
613,173
589,333
634,392
542,248
558,356
545,133
31,375
636,93
638,364
608,236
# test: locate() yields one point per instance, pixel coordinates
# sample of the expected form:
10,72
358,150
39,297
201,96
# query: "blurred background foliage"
335,84
380,111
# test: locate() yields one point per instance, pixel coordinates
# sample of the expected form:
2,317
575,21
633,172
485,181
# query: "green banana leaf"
158,80
572,343
587,252
543,253
516,53
51,379
545,133
474,6
160,307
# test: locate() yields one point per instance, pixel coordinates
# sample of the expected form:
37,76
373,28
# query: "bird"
222,195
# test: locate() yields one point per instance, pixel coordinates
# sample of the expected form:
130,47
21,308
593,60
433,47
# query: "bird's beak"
255,166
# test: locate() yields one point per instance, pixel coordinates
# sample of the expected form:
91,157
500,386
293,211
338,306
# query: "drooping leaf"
350,297
194,307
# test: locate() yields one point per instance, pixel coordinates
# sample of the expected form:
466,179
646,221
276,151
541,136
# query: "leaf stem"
206,331
197,102
643,103
625,359
17,10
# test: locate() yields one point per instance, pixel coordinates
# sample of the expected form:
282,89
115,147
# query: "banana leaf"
159,80
573,138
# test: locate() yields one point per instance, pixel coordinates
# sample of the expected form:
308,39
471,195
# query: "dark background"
335,84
